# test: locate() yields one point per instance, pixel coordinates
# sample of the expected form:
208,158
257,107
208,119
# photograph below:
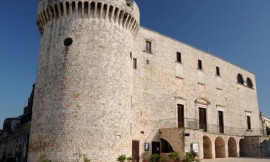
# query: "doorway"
135,151
155,147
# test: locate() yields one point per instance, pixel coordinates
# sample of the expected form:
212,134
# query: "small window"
217,71
249,83
148,46
178,57
134,63
240,79
248,123
200,65
68,42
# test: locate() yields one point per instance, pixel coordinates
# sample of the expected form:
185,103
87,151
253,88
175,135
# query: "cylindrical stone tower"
83,89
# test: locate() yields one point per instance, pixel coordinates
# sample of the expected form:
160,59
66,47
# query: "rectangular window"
202,119
178,57
134,63
148,46
217,71
248,123
200,64
180,109
220,122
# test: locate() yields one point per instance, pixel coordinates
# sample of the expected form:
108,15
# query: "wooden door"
155,148
180,109
135,151
202,119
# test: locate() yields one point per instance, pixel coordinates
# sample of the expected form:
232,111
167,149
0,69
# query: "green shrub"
145,155
155,158
190,156
121,158
174,156
130,159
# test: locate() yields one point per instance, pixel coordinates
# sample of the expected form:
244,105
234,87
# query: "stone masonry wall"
160,83
82,97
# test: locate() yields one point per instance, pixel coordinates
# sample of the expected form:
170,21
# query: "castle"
107,86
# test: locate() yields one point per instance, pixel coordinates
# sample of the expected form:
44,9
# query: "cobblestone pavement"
238,160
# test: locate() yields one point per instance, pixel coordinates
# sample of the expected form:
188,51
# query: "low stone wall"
255,147
265,147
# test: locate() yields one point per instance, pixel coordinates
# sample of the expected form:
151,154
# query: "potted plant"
190,157
130,159
174,156
145,156
121,158
155,158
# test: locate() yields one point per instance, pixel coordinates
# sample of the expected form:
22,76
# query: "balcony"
189,123
217,129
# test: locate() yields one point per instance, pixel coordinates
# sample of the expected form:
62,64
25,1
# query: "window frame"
200,66
249,83
240,79
248,122
179,57
148,46
217,71
134,60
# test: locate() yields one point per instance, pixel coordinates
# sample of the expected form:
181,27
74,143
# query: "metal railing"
219,129
190,123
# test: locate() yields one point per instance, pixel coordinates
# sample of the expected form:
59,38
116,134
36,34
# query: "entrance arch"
207,148
220,147
242,147
232,147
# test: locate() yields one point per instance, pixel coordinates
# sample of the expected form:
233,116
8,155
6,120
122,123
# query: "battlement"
124,16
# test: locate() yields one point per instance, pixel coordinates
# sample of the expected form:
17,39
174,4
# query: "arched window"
249,83
240,79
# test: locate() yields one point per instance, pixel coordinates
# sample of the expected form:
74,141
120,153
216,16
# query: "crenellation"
85,9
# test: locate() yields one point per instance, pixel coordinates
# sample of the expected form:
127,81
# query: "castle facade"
107,86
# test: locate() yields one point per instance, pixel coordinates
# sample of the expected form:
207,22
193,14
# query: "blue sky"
235,30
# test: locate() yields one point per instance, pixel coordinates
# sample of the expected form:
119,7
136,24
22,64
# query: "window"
202,119
217,71
220,122
148,46
134,63
178,57
180,109
240,79
249,83
248,123
68,42
200,64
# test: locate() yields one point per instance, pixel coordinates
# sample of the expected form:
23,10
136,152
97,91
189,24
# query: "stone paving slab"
238,160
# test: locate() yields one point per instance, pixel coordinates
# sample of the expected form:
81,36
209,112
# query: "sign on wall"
195,147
